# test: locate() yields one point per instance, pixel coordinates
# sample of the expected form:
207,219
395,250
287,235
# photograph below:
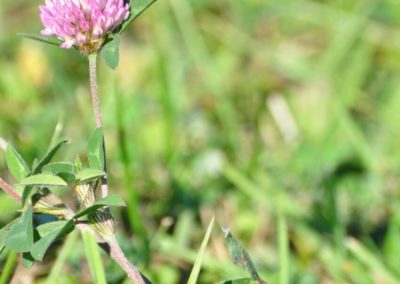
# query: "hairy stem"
97,113
114,249
119,257
94,90
9,190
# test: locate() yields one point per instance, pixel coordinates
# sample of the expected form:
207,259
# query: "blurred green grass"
257,111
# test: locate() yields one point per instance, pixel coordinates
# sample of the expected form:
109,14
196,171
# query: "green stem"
8,268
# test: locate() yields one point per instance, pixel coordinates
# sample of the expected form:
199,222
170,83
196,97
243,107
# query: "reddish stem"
10,191
119,257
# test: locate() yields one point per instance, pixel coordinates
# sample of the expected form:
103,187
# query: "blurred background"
281,118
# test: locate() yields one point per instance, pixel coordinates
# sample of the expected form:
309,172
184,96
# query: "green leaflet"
137,8
62,169
110,200
4,231
44,39
49,232
95,150
27,194
48,157
88,175
16,164
27,260
59,167
239,255
43,180
110,52
20,236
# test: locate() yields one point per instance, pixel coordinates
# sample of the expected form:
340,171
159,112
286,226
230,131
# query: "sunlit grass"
279,118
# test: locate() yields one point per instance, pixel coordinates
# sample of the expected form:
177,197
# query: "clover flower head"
83,24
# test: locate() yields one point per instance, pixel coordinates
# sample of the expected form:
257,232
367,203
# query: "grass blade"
373,264
61,259
283,249
194,275
93,257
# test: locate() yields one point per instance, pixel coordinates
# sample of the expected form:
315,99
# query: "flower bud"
51,205
101,219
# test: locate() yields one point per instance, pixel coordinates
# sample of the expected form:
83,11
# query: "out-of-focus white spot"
210,164
3,144
283,117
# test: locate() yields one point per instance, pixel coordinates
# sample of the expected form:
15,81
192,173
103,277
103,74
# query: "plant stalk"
10,191
115,251
8,268
94,92
119,257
